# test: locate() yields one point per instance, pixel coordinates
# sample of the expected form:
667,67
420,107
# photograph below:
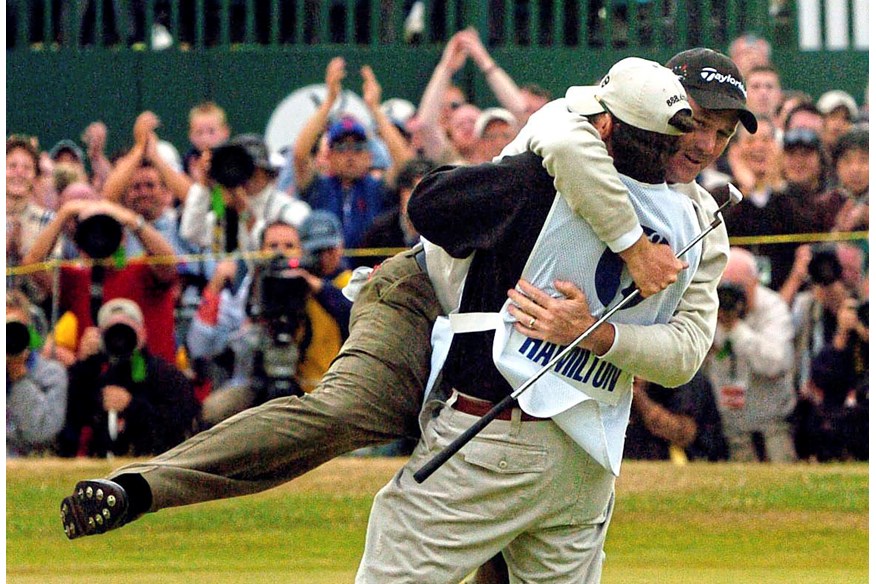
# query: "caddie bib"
568,249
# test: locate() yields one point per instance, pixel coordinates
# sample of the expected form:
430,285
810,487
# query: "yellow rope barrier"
389,251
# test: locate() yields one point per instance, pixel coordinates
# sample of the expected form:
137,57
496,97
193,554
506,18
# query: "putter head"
735,195
731,196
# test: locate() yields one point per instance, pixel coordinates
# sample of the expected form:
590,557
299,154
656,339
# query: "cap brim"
321,243
716,101
582,100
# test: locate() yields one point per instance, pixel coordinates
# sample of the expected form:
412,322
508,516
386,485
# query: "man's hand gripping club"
652,266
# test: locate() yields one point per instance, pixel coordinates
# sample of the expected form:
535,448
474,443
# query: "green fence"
222,23
70,62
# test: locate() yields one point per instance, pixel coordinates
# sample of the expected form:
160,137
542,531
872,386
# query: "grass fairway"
714,524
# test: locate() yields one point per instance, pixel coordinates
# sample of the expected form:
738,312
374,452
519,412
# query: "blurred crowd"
154,292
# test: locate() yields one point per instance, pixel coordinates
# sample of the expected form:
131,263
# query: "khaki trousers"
522,487
371,395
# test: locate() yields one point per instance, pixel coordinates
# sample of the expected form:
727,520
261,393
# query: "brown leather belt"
479,407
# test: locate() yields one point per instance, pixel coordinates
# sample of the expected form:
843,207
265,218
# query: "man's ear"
603,124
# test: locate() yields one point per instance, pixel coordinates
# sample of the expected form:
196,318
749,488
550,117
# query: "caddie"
538,482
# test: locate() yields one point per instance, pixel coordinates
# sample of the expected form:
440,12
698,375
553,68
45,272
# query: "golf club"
734,197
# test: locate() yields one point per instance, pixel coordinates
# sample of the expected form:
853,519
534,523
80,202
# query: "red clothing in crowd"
135,281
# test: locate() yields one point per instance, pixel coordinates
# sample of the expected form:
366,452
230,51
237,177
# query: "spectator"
451,99
755,160
764,91
455,141
83,288
749,51
323,240
74,192
36,387
805,170
751,365
223,218
67,163
67,151
791,98
263,367
847,206
347,188
140,180
804,116
494,128
681,423
834,273
208,128
131,401
393,228
831,341
460,142
840,114
25,219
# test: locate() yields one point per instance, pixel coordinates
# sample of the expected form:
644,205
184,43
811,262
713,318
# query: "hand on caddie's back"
652,266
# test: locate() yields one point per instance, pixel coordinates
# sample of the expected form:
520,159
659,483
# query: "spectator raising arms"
347,187
456,141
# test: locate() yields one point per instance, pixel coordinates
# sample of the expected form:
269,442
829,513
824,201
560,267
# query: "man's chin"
680,174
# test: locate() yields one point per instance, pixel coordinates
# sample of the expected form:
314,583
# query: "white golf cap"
641,93
837,98
398,110
493,114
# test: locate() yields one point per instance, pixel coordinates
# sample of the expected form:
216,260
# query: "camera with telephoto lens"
17,338
119,341
278,308
99,236
731,298
232,164
824,267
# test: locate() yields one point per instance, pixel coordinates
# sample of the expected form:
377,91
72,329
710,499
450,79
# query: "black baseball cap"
257,149
714,82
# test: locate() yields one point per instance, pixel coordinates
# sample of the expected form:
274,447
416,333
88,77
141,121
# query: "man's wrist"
601,340
138,224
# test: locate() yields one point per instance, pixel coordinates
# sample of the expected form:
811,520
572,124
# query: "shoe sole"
96,506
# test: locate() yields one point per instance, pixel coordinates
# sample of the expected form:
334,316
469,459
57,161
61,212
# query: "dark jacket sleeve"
336,304
161,410
468,208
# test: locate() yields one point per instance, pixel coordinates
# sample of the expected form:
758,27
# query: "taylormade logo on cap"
709,74
641,93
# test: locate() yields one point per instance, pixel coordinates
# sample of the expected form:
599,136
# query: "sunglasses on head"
350,147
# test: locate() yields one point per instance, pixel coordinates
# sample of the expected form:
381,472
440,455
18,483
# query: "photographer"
131,402
832,340
751,364
101,229
36,387
235,196
281,324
